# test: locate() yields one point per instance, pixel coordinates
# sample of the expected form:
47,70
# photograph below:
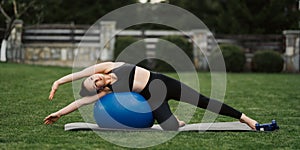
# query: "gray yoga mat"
218,126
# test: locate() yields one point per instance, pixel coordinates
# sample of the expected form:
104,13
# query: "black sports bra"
125,74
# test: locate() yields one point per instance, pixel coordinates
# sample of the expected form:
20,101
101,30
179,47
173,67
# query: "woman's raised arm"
98,68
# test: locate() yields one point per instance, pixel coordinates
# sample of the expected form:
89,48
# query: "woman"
156,88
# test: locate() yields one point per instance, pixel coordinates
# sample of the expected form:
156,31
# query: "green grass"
24,91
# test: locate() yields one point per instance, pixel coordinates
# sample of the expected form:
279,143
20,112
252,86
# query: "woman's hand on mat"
51,118
53,90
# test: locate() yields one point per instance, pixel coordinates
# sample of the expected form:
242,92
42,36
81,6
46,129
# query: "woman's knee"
170,124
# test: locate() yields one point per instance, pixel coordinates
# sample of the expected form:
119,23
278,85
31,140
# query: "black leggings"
159,84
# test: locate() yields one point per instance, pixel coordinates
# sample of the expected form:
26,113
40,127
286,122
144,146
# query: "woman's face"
94,82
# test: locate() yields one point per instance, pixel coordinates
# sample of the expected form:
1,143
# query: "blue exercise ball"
123,110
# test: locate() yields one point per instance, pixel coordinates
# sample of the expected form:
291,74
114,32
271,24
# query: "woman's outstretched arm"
98,68
72,107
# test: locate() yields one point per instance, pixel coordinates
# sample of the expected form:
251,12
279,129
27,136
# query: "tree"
206,10
18,9
258,17
245,16
79,11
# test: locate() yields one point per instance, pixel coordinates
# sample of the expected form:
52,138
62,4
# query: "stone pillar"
15,42
292,39
200,48
107,40
3,51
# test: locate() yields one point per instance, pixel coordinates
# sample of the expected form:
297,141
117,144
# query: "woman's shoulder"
111,63
108,66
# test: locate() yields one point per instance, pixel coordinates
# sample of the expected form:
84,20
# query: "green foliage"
245,16
80,11
267,61
122,43
221,16
155,64
234,57
182,43
27,11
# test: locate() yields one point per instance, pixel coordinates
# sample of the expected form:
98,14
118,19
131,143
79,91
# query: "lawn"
24,91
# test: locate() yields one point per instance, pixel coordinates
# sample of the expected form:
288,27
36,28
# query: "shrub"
267,61
155,64
122,43
180,42
234,57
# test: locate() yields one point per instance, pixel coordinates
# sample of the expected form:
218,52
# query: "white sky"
151,1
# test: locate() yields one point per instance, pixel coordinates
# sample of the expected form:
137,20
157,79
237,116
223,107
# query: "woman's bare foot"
250,122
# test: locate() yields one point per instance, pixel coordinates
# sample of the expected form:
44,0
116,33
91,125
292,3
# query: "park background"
261,37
